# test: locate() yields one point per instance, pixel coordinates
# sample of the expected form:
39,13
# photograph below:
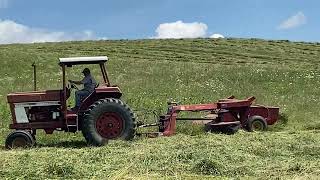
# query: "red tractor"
101,116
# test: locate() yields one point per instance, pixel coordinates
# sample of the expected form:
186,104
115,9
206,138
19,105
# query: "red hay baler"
225,116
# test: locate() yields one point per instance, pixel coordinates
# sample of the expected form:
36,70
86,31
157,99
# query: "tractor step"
72,120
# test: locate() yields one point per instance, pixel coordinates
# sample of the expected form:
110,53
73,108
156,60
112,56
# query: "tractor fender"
100,93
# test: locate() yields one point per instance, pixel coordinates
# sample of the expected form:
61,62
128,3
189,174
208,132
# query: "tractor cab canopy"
83,60
69,62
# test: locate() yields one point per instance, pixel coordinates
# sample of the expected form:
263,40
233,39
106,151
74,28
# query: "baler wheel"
19,139
256,123
108,119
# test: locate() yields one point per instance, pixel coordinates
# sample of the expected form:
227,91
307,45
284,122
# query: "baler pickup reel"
225,116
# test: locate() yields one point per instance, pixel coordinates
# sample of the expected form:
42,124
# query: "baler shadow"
64,144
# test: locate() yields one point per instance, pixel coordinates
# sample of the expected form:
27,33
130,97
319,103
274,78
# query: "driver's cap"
86,70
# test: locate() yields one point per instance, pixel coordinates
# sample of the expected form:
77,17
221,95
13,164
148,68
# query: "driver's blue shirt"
89,83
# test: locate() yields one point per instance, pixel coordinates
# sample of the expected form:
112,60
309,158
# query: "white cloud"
293,21
216,36
180,29
12,32
4,3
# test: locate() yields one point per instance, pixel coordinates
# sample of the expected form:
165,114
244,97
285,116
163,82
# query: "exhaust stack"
34,76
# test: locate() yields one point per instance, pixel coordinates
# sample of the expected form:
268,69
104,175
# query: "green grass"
149,72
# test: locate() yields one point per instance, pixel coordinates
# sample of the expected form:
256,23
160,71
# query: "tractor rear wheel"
19,139
256,123
108,119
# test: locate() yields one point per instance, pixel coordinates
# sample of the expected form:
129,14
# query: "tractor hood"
35,96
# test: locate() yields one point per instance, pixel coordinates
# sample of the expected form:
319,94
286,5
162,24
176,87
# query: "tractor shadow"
64,144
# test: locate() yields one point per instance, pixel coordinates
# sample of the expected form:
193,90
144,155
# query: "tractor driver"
89,84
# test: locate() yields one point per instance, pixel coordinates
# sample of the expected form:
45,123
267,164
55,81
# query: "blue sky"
41,20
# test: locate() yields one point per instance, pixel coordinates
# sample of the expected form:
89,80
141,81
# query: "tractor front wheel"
256,123
19,139
108,119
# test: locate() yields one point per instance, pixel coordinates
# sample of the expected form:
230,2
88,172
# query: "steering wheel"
72,86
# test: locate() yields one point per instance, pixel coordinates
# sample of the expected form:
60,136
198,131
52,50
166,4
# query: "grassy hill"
149,72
